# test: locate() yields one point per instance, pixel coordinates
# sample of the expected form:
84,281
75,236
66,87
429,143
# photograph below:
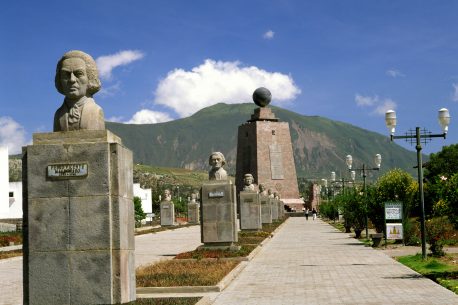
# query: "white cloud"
117,119
107,63
12,135
381,105
455,93
110,90
365,100
216,81
386,105
269,34
394,73
146,116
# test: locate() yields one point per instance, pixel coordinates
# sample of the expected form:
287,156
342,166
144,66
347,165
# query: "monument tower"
264,150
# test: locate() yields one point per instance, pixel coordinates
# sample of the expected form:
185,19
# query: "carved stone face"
73,78
262,188
216,161
248,180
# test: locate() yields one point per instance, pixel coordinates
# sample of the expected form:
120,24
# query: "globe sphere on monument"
262,97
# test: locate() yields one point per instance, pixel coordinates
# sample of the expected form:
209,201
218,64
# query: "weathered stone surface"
79,246
266,209
250,211
274,208
167,213
218,209
193,213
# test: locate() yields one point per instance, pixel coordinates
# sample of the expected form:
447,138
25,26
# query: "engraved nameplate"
216,194
67,171
276,162
248,199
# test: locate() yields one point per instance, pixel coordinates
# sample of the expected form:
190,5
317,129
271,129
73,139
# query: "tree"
443,163
139,213
395,185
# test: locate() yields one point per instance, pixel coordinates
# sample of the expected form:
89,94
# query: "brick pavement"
309,262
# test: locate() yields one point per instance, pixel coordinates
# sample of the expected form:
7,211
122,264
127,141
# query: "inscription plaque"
67,171
276,162
216,194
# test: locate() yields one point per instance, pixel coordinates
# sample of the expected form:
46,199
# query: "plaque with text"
66,171
276,162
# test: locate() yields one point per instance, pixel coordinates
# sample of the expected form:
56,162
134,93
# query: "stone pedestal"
193,213
78,219
219,218
167,213
250,211
281,209
274,208
266,209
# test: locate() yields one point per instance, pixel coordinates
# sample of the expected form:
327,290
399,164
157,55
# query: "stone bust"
193,198
217,172
78,80
270,193
248,182
262,190
276,195
167,195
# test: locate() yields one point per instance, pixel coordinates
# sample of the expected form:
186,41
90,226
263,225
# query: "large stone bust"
78,80
217,161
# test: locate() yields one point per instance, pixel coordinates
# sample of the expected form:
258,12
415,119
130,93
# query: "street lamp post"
418,137
378,162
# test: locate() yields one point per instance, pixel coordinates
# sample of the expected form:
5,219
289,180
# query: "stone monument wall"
264,149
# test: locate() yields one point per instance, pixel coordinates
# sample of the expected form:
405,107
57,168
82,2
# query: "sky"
166,59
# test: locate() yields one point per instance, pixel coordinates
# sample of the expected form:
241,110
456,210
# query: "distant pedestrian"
307,214
314,213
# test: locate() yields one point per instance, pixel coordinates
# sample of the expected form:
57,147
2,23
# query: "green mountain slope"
320,145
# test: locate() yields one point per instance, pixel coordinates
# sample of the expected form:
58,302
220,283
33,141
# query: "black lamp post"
420,136
378,162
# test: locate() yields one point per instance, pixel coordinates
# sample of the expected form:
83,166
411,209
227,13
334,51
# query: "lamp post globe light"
420,136
363,169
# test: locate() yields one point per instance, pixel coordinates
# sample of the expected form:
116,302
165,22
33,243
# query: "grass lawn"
443,270
165,301
9,254
184,273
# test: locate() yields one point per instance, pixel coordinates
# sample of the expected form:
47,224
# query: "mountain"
319,144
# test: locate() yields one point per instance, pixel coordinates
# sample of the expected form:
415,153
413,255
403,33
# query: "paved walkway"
148,248
309,262
306,262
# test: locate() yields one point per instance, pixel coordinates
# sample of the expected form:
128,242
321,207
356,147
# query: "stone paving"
148,248
309,262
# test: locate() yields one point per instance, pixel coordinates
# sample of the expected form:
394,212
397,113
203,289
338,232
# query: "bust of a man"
270,193
167,195
262,190
217,161
276,195
78,80
193,198
248,182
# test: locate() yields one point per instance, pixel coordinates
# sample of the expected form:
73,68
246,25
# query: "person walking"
314,213
307,214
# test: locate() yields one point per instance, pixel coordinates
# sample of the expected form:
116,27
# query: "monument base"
219,246
78,219
218,210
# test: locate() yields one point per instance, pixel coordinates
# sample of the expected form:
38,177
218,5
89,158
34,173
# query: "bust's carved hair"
217,153
94,84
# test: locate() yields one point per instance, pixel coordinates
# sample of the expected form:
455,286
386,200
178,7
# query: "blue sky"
161,60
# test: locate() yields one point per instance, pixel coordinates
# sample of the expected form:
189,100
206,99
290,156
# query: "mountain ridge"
319,144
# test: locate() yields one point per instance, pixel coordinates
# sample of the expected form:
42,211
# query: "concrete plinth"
167,213
274,208
281,209
266,209
193,213
219,218
250,211
78,219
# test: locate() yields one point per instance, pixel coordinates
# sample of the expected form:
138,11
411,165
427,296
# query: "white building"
145,196
15,200
4,183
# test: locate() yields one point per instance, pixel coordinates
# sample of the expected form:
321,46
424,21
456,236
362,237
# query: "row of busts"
250,186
